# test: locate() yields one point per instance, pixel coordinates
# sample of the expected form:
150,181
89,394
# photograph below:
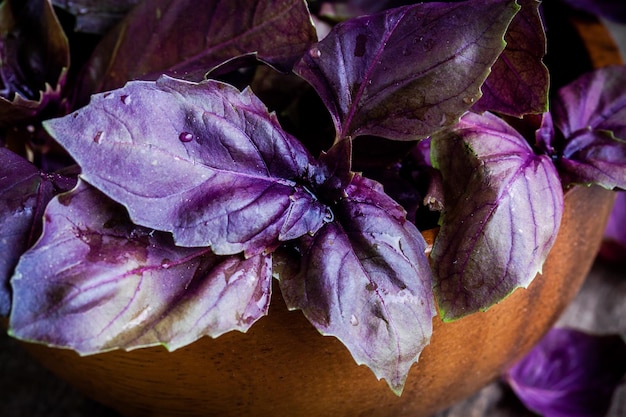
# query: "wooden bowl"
284,367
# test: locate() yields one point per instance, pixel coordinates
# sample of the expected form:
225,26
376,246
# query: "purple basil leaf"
407,72
570,374
34,57
595,157
365,279
23,197
614,244
187,38
503,207
518,83
591,115
24,194
96,282
609,9
203,161
334,175
96,16
545,135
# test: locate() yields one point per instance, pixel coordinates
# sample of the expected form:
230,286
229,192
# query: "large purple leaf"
365,279
406,73
34,57
211,165
503,207
334,174
518,83
96,282
570,374
24,194
187,38
591,115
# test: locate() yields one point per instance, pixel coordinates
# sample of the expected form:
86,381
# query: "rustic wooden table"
28,390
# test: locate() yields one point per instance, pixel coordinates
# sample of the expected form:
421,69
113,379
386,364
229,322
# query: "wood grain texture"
29,390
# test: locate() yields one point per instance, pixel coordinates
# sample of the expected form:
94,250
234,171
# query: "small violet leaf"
34,58
212,166
503,207
24,194
365,279
570,374
519,80
405,73
96,282
590,114
334,174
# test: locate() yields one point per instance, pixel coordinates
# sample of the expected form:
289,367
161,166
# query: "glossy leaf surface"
365,279
570,374
212,166
96,282
187,38
407,72
518,83
590,114
503,207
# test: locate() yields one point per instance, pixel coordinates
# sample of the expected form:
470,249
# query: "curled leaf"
407,72
96,282
34,58
503,208
590,114
570,374
212,166
365,279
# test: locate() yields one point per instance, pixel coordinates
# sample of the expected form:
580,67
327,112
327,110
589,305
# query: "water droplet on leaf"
125,99
98,137
353,320
329,216
185,137
468,100
314,52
